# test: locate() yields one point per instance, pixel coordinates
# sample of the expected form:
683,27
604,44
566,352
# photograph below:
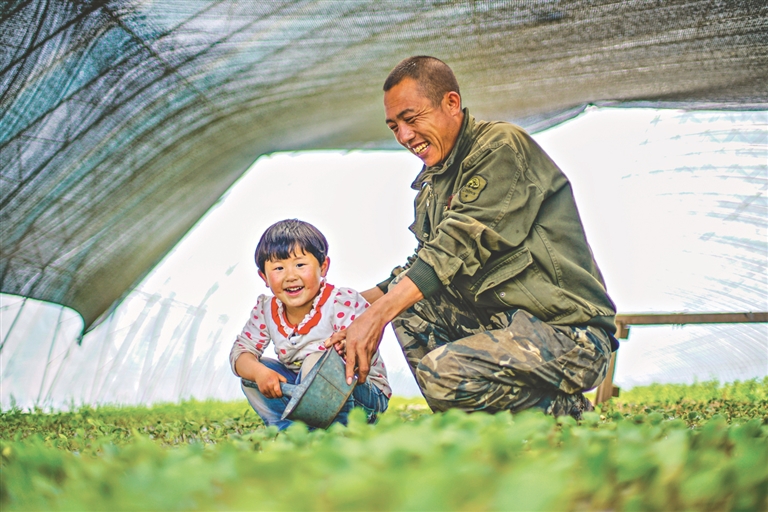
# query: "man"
502,307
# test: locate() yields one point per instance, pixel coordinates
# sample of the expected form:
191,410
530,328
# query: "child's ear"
324,266
263,278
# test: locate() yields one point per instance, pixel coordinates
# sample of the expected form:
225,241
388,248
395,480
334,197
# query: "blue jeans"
365,395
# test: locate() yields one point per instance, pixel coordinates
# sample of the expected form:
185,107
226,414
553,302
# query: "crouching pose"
302,314
502,307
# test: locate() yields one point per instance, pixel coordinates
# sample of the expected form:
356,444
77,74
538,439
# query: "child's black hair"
284,238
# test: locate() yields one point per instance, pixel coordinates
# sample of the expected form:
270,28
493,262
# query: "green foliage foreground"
655,449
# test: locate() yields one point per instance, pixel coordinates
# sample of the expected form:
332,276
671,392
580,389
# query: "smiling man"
502,306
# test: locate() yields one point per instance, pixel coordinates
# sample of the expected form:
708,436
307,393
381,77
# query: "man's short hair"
284,238
433,76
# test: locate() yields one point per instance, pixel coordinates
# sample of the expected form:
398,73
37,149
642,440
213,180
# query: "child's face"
295,281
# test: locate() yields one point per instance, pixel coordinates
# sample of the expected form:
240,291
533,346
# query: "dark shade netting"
122,122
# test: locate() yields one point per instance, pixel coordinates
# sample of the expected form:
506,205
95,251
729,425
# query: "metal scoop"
322,393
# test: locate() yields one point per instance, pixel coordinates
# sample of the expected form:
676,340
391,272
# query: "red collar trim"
309,324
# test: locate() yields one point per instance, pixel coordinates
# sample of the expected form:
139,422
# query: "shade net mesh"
122,122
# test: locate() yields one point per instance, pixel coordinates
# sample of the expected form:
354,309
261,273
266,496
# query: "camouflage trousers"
466,358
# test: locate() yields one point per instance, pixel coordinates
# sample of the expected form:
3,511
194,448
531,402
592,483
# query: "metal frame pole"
50,352
13,324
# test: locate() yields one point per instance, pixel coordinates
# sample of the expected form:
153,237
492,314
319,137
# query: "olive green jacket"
497,221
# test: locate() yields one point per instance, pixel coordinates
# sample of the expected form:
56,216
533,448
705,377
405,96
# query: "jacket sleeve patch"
472,189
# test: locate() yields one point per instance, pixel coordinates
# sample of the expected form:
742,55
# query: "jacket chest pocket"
436,204
421,226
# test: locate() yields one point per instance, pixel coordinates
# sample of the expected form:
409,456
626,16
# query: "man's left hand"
357,344
363,336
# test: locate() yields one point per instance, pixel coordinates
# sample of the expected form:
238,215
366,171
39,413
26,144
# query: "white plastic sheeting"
673,204
154,348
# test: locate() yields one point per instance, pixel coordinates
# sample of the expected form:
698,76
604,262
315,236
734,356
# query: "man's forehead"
405,97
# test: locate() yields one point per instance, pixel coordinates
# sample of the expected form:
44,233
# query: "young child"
303,313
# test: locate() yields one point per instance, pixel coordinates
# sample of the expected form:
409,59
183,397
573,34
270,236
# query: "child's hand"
269,382
339,342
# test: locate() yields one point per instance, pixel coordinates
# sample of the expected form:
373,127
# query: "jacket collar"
459,151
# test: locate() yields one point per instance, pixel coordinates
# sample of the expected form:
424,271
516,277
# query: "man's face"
428,131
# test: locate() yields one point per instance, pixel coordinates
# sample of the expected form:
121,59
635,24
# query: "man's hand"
364,334
363,338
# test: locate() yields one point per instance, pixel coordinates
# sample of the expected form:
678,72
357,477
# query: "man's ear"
452,102
263,278
324,267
